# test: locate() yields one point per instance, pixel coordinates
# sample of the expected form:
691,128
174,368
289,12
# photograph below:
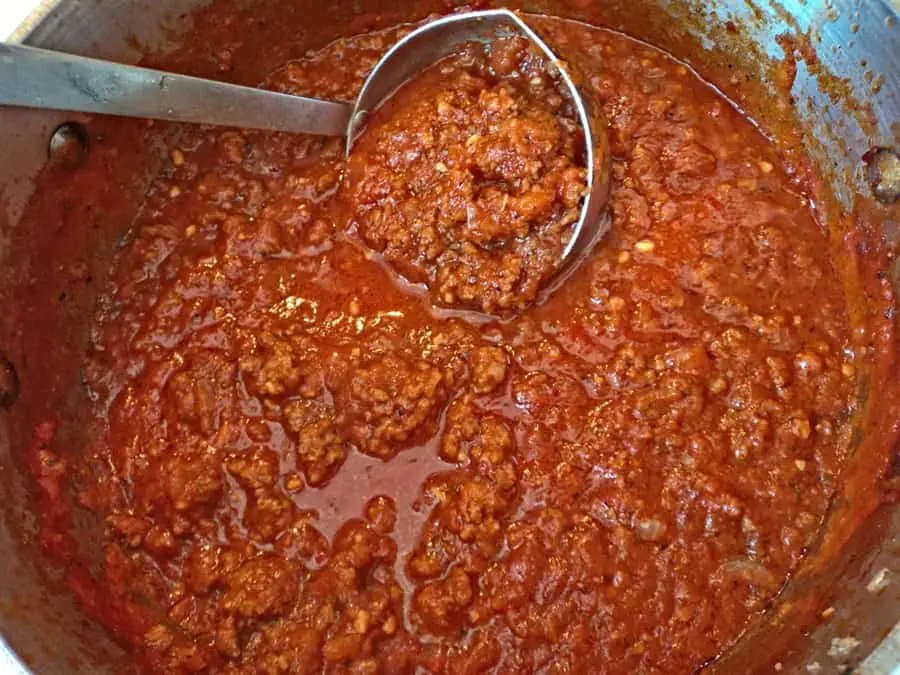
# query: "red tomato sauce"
300,467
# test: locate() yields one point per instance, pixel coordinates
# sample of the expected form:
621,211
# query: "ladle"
38,78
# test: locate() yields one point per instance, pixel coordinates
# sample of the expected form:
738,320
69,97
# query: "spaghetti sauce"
300,467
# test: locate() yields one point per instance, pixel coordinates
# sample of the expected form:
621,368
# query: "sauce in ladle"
472,178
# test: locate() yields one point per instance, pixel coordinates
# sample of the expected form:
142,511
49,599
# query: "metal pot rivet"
68,144
9,383
883,174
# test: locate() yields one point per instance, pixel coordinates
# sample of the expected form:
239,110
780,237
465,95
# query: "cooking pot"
826,71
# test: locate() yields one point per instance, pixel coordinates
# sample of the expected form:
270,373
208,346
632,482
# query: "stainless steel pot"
845,100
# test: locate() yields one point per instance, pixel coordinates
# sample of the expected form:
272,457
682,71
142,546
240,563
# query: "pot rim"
32,13
883,660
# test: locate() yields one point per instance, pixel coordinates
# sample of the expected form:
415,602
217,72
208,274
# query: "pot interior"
822,77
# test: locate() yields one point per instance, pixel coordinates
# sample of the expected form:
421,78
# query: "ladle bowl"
38,78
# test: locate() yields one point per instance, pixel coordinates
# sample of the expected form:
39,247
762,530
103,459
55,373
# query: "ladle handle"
38,78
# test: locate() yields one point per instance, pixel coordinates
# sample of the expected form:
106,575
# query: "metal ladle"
37,78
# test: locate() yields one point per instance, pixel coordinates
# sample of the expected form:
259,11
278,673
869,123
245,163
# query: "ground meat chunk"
284,647
488,368
262,587
467,522
320,448
203,569
281,366
203,390
268,514
255,469
390,404
381,513
480,438
473,509
440,606
192,479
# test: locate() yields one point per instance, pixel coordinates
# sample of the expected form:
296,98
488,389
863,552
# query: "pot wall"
843,106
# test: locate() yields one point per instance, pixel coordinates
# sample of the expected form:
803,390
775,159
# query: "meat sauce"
472,178
302,468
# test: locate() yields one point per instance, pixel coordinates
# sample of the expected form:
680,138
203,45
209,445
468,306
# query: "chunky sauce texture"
301,468
472,177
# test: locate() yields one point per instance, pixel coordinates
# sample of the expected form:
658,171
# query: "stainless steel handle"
38,78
